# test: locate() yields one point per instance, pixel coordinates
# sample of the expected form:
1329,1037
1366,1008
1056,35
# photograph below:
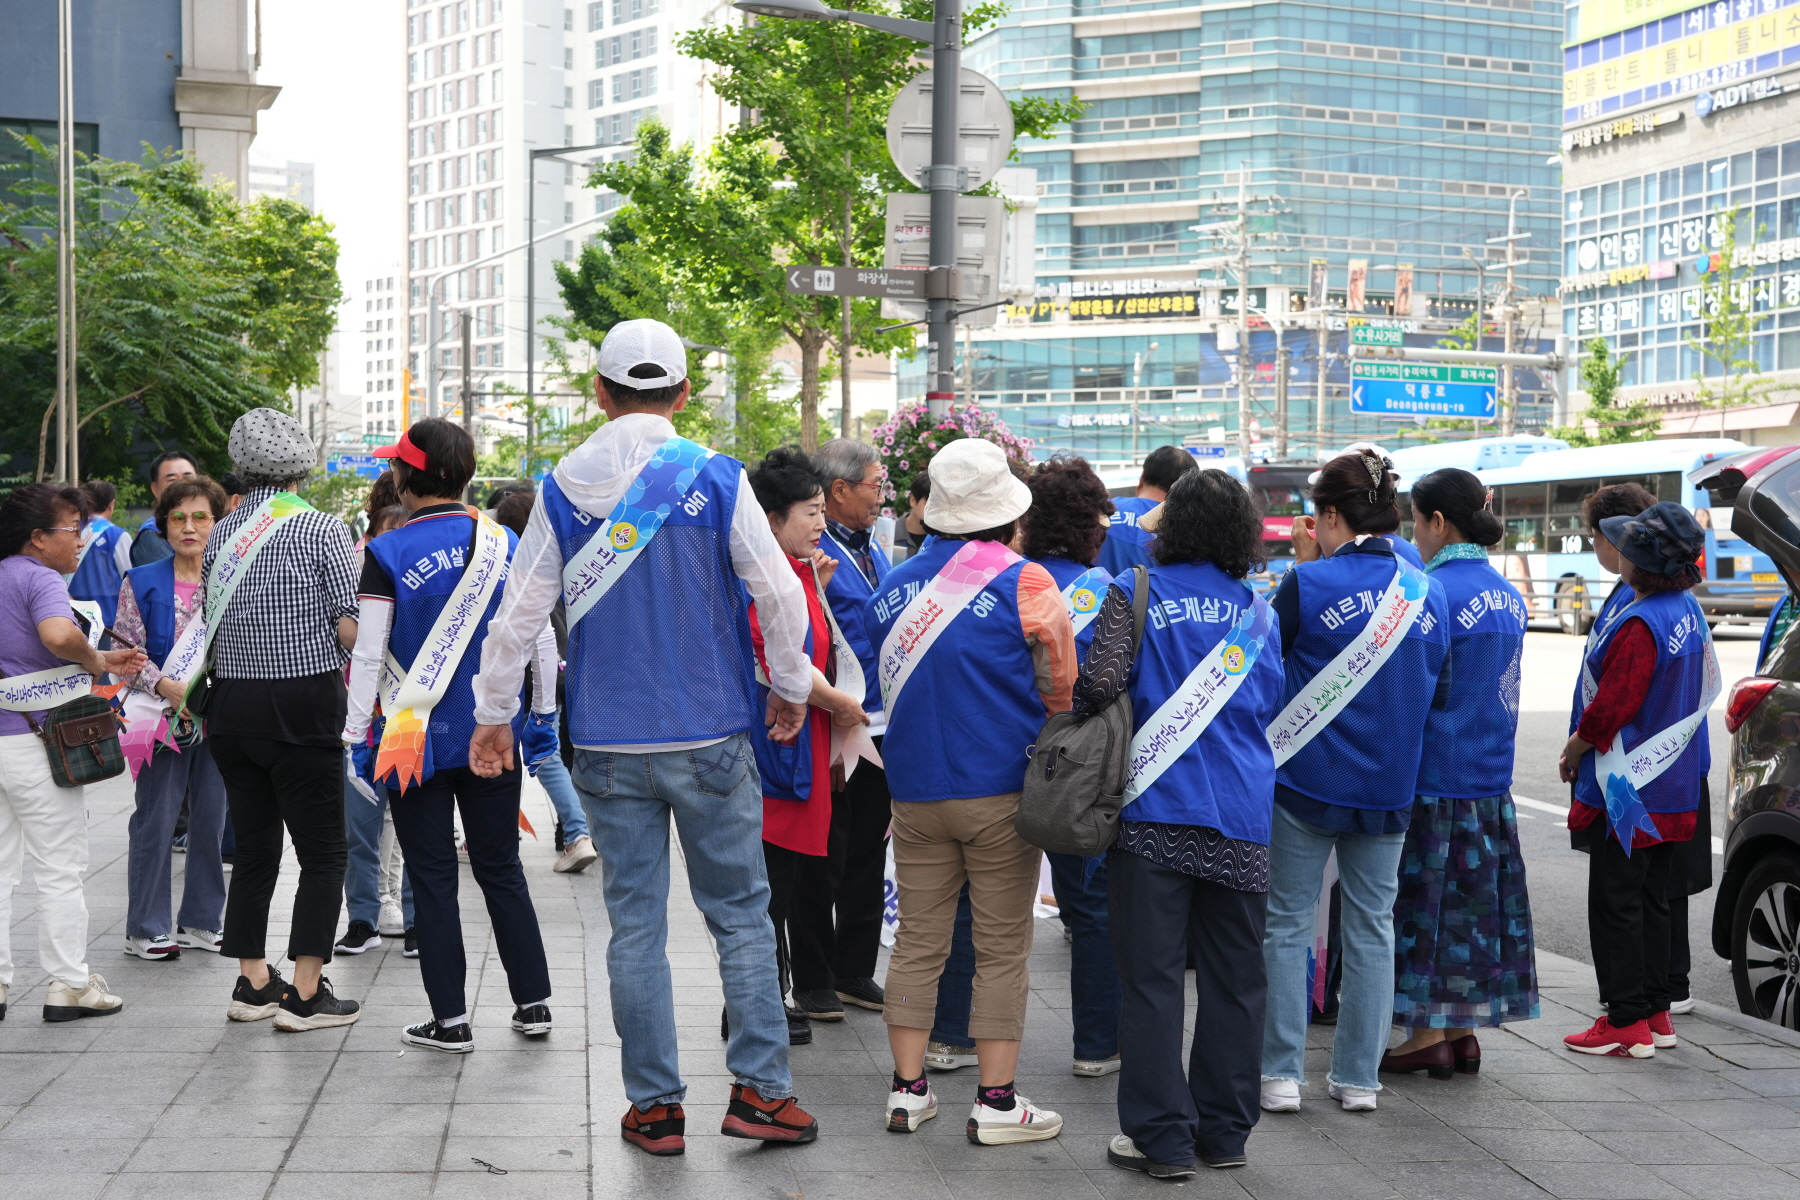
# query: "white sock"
452,1022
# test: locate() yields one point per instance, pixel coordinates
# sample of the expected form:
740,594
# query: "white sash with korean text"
43,690
1640,765
1328,693
661,487
939,603
232,563
146,715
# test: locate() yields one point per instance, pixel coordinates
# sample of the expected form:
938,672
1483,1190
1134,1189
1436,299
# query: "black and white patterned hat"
269,443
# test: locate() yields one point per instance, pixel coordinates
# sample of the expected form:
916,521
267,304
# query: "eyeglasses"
197,518
60,529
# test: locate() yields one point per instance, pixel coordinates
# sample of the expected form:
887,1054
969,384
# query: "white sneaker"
576,856
942,1056
71,1001
1280,1095
1023,1122
392,922
1678,1007
1094,1068
199,939
1354,1099
906,1111
161,948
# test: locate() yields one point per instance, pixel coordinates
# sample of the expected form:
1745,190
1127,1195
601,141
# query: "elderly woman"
279,633
1648,676
157,605
40,539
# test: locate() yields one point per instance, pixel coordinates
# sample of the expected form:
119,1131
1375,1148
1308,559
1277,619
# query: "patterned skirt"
1463,950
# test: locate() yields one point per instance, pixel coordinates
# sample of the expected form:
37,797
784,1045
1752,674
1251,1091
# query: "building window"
596,93
632,10
596,14
634,85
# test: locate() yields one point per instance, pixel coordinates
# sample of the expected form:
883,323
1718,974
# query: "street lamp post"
531,269
944,36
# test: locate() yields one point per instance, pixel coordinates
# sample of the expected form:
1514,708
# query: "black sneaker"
323,1011
1225,1162
359,937
533,1021
410,948
254,1004
799,1028
451,1039
821,1004
864,993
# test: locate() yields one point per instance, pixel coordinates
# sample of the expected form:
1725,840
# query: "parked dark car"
1756,915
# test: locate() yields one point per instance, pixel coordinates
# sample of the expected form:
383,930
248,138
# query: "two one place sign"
890,283
1404,389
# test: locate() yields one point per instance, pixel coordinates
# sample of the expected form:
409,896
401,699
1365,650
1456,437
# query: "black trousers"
269,786
784,867
1157,913
490,821
1628,926
834,926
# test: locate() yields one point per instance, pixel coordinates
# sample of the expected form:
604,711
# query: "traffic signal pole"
941,180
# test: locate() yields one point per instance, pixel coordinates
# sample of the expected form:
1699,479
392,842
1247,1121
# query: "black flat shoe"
821,1004
864,993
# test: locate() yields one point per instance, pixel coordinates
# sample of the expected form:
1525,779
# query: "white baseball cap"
972,488
643,342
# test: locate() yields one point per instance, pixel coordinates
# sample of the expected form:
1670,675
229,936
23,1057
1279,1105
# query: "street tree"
1728,375
1607,421
191,309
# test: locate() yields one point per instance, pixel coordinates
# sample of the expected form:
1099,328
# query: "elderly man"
835,930
149,545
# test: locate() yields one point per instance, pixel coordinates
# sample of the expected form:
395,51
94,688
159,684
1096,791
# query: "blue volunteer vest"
848,594
971,708
98,578
153,587
1679,631
1368,757
1126,545
1470,727
425,559
1615,603
1066,571
787,771
1404,549
665,655
1225,780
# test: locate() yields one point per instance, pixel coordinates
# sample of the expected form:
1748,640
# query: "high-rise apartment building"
290,180
1677,116
490,84
1395,134
382,335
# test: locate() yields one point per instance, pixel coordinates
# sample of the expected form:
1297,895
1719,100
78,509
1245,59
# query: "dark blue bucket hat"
1664,539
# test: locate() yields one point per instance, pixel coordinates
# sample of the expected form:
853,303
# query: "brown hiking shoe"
753,1115
658,1131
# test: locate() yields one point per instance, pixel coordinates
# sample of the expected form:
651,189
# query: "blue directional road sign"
1408,389
359,464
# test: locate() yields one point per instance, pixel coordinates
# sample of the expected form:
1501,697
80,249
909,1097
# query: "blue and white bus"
1547,552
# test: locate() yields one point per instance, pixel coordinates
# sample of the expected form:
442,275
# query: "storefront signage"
1402,389
1167,304
1708,103
1596,135
1706,48
1587,282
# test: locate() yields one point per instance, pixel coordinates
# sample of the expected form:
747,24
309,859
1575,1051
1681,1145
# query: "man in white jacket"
645,535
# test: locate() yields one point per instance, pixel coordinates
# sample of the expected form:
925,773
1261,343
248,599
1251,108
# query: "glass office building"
1393,132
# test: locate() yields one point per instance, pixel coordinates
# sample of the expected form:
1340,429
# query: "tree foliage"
1607,421
1728,375
196,306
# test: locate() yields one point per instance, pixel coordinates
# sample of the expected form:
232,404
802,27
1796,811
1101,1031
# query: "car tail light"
1746,694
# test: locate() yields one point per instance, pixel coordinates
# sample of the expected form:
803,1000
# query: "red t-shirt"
804,826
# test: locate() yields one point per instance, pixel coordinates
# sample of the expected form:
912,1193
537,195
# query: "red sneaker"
1630,1041
658,1131
753,1115
1662,1031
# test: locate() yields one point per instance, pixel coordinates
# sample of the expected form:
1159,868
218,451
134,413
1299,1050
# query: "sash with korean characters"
1623,774
1082,597
1180,720
924,620
43,690
232,563
1325,695
659,488
407,697
146,716
96,622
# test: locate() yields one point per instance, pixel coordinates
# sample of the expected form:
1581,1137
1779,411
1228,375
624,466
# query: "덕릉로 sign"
1405,389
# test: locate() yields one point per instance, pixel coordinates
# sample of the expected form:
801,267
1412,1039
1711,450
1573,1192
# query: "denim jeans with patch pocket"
715,797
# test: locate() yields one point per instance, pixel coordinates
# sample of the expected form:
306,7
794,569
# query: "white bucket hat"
972,489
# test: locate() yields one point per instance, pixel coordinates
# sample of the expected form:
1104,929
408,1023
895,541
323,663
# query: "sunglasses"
203,517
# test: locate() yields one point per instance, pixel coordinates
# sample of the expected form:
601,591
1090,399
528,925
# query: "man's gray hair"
844,458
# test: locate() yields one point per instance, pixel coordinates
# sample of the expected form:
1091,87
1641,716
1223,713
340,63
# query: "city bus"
1548,554
1279,490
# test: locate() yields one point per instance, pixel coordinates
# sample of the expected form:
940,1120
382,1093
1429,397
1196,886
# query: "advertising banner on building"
1315,285
1403,290
1356,300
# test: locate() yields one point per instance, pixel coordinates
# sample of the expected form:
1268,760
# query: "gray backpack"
1075,781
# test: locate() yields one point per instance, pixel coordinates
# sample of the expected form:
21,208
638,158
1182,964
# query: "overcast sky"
341,67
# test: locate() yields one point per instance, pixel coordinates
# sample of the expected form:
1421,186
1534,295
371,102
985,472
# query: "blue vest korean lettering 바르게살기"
1223,780
1474,714
425,559
848,594
1368,756
664,655
961,726
1126,545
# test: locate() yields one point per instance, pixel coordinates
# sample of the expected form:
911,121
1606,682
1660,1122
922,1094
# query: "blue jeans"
165,780
362,875
1369,871
561,790
715,798
956,986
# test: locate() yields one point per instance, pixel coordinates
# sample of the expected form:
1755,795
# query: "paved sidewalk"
168,1098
